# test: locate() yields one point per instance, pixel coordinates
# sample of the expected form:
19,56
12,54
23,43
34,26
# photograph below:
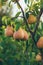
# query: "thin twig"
38,21
16,17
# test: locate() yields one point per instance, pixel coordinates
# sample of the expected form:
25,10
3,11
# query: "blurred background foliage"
19,52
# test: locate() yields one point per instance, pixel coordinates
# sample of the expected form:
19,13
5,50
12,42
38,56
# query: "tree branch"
25,19
36,27
38,20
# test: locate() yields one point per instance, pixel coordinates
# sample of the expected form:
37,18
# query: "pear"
38,57
18,34
32,19
9,31
40,43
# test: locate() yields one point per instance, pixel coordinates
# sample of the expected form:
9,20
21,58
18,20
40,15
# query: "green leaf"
17,14
41,3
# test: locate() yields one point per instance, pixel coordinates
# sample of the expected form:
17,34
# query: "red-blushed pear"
18,34
9,31
40,43
25,35
32,19
38,57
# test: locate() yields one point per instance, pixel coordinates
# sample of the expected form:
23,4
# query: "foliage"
20,52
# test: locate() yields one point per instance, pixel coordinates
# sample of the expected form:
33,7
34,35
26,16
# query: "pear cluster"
20,34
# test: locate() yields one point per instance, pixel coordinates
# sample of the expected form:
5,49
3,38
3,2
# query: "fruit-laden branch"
38,21
26,21
36,27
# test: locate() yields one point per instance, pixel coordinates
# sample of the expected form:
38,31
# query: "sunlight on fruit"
38,57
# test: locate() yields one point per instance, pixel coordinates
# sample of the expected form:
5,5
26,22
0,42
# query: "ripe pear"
38,57
18,34
32,19
25,35
40,43
9,31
